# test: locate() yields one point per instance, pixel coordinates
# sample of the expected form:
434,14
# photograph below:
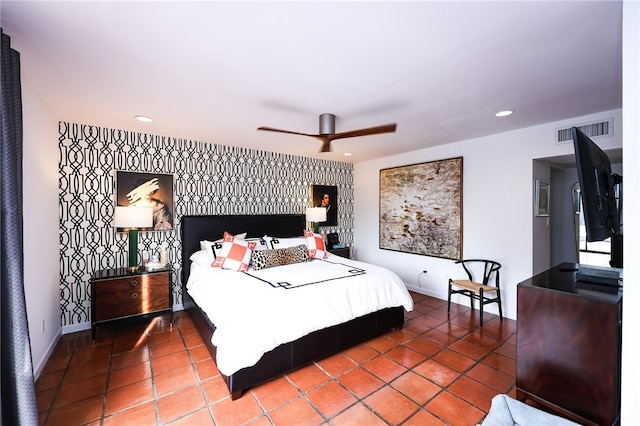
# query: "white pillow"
262,243
277,242
210,245
202,257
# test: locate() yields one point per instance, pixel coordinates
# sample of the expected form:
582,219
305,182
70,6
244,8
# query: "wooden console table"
568,349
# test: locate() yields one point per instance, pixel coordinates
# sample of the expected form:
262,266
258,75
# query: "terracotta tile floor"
439,369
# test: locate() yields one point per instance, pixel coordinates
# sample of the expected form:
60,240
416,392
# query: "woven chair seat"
473,286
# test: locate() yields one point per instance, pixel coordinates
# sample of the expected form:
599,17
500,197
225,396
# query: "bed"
289,355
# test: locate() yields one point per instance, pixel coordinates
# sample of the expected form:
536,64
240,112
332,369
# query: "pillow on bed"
315,245
207,256
278,243
202,257
261,243
235,253
212,246
278,257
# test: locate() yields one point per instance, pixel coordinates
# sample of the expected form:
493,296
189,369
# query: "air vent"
593,130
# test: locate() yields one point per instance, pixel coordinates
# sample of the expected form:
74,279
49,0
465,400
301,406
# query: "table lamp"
132,219
316,215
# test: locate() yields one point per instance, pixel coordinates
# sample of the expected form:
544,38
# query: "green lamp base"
133,251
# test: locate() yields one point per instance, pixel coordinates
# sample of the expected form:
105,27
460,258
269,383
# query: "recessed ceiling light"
504,113
143,118
347,154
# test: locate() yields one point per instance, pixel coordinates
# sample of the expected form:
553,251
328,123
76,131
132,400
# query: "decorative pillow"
235,253
202,257
277,243
212,246
261,243
315,245
278,257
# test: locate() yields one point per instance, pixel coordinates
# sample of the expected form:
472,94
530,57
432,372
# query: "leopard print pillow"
278,257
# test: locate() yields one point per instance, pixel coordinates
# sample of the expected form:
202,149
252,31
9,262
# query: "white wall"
41,219
631,159
497,206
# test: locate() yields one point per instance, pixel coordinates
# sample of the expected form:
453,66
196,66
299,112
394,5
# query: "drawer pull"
134,283
134,295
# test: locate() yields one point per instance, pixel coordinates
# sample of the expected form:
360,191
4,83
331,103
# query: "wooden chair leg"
449,298
481,305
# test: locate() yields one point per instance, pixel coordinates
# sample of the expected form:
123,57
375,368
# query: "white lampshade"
316,214
133,217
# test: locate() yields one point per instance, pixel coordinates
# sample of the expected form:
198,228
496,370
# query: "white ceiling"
215,71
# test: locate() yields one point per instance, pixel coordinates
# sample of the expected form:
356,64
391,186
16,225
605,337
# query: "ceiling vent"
593,130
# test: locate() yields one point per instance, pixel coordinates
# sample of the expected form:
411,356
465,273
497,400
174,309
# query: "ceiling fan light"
327,124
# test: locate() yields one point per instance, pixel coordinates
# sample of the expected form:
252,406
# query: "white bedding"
253,317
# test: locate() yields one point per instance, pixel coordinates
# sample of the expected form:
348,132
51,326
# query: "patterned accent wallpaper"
208,179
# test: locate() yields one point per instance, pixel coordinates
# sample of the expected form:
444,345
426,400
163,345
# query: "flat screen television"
601,208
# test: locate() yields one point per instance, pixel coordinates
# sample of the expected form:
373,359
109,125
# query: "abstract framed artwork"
326,196
147,190
421,208
542,198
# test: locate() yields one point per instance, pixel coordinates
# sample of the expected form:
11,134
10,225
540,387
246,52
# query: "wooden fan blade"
326,145
271,129
387,128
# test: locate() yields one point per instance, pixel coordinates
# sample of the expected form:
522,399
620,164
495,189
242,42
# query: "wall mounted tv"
602,210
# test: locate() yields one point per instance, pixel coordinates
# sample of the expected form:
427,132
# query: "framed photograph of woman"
326,196
147,190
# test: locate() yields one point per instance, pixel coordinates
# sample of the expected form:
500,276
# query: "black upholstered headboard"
197,228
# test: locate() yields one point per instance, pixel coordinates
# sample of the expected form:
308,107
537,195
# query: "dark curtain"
18,398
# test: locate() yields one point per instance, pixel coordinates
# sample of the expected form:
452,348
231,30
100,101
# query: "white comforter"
252,317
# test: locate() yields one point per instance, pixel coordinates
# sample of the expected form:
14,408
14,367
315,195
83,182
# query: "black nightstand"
344,252
117,294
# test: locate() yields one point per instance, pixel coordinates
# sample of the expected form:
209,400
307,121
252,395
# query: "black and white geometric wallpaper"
208,179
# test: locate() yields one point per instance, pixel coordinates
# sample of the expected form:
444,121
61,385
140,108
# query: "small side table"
117,294
343,252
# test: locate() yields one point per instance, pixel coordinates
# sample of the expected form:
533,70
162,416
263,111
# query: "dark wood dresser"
117,294
568,349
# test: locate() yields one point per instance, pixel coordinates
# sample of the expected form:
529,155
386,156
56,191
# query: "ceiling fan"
328,133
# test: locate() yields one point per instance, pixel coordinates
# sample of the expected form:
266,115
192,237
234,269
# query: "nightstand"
344,252
117,294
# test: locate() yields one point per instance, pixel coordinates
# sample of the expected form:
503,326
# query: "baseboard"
67,329
37,369
424,291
